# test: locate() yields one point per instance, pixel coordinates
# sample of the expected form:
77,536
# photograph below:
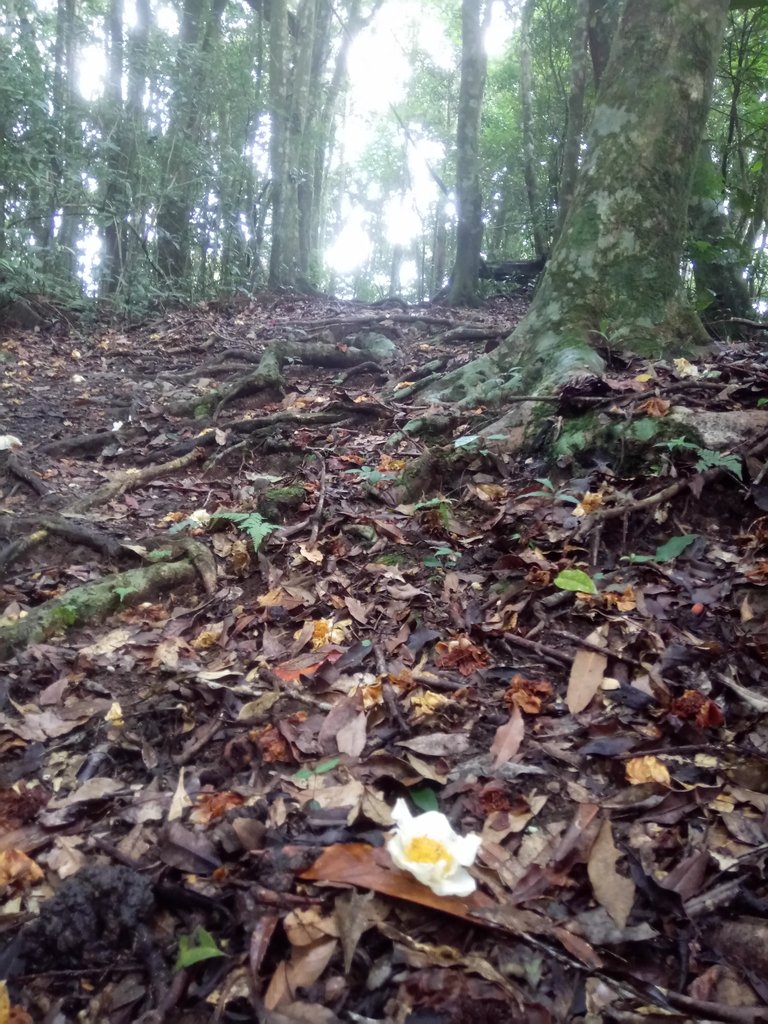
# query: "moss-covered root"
94,602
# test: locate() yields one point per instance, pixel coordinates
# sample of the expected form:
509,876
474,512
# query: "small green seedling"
575,580
666,552
441,558
195,948
550,491
322,768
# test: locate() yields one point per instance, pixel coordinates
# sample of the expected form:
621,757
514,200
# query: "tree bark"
575,126
529,146
469,229
614,276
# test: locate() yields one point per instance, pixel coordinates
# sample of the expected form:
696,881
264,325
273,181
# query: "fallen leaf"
306,965
17,870
647,769
508,738
371,868
587,672
437,744
612,890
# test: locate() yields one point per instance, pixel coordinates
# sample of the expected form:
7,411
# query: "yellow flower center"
423,850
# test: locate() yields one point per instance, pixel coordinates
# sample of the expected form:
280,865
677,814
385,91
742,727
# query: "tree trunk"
469,230
614,275
529,148
718,262
601,27
115,193
575,125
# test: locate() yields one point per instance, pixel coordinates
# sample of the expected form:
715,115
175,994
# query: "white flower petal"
427,847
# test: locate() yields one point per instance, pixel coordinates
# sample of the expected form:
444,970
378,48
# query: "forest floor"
197,775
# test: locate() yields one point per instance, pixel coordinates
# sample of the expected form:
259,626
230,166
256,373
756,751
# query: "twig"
317,515
387,691
547,653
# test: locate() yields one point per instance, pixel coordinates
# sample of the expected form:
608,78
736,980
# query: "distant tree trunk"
115,191
530,170
200,25
135,141
575,125
439,251
718,262
280,271
394,271
469,229
614,275
304,92
59,239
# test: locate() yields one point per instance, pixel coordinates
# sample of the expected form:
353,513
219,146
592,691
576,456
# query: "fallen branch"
93,602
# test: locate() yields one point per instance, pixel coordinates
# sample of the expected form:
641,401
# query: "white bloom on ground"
200,518
427,847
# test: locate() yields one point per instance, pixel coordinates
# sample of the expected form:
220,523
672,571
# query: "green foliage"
424,798
321,768
550,491
257,528
195,948
575,580
441,558
706,458
667,552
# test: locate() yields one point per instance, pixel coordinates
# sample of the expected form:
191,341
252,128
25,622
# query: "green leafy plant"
424,798
550,491
255,525
575,580
321,768
666,552
706,458
195,948
441,558
370,475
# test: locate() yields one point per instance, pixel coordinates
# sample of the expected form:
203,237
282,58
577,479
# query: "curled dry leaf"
647,769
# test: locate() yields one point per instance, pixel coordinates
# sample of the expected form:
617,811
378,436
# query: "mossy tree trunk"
614,276
469,202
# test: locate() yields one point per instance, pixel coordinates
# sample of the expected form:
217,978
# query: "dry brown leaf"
647,769
587,672
508,738
306,965
437,744
612,890
371,868
17,870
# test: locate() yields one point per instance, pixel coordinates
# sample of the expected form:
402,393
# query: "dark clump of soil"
94,915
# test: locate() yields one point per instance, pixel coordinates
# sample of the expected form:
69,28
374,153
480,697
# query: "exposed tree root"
94,602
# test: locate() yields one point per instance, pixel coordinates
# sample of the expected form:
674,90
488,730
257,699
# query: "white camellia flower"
427,847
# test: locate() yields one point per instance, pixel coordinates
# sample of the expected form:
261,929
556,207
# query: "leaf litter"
195,792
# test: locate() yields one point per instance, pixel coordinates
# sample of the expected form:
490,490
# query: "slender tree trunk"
718,263
115,189
469,230
575,125
278,140
530,170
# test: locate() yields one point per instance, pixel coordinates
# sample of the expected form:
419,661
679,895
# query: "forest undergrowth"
244,609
